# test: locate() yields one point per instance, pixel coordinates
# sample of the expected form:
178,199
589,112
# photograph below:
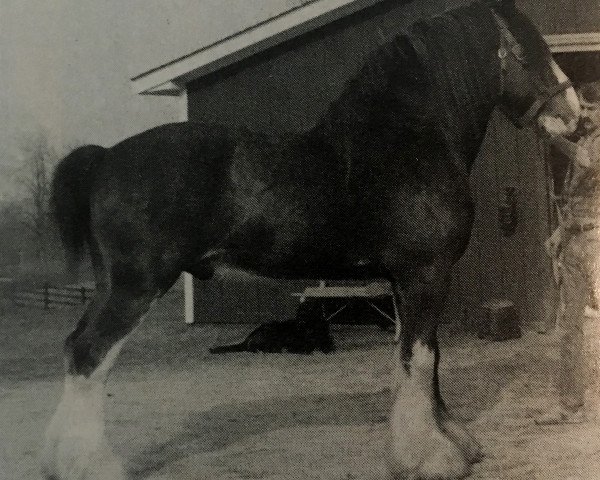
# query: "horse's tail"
70,200
236,347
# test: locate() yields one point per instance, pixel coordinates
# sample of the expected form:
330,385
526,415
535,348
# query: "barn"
281,73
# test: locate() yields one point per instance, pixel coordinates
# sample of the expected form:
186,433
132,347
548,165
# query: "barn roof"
295,18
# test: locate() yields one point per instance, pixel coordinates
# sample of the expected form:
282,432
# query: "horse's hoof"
439,459
470,447
473,452
68,462
445,464
80,452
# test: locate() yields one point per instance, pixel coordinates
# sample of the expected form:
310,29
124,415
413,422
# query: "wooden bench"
368,293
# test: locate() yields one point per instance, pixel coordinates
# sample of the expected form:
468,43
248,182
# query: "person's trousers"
580,276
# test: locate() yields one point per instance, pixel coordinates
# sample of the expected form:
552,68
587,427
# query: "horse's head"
532,85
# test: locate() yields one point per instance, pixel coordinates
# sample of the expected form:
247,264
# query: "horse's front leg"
470,447
423,443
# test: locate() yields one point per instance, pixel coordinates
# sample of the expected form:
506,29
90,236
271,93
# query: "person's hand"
552,127
582,157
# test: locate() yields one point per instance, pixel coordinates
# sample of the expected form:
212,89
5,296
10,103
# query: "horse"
377,188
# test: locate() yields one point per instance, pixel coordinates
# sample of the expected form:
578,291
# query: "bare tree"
39,157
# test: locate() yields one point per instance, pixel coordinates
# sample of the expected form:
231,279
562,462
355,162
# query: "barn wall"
289,87
563,16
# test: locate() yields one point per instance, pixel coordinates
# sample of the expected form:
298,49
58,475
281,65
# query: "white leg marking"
419,449
101,372
75,446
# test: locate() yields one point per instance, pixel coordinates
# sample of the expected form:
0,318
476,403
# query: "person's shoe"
560,415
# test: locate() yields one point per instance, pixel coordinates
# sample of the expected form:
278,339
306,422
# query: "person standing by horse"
576,242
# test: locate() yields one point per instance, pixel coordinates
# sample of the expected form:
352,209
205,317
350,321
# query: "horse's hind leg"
421,447
75,445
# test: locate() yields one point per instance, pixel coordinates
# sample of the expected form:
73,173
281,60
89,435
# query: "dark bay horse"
377,189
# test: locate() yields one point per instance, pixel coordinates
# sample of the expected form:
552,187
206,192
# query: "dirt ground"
175,412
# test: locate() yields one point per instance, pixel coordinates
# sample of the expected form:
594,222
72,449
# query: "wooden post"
188,279
188,298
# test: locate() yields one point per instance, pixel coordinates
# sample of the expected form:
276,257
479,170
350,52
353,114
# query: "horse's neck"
450,87
464,128
467,137
465,80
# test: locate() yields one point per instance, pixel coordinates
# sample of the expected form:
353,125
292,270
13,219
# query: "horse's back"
174,148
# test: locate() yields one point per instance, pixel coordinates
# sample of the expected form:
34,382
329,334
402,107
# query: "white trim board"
574,42
187,278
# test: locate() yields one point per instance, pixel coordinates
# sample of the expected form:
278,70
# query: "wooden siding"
563,16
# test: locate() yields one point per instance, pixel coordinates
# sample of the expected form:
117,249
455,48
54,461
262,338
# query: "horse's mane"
419,75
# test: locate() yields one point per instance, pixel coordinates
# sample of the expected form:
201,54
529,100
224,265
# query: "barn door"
500,263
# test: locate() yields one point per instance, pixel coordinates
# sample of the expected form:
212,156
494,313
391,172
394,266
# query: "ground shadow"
233,422
227,424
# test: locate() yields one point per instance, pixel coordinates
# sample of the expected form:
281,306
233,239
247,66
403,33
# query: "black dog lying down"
292,336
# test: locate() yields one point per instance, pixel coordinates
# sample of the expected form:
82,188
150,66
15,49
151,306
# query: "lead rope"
556,259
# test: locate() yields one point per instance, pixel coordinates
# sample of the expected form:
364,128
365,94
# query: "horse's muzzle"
554,126
559,115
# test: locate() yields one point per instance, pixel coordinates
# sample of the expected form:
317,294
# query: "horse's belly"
302,271
291,265
314,256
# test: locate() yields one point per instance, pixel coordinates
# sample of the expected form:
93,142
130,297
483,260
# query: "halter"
510,45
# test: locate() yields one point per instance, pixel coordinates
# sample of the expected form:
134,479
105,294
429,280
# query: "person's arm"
574,151
593,150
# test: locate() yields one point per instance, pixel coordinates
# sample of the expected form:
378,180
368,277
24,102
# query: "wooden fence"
51,296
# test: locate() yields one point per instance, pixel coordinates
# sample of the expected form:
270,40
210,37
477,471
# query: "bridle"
510,46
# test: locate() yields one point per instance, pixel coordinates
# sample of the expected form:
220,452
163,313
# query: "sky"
65,65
